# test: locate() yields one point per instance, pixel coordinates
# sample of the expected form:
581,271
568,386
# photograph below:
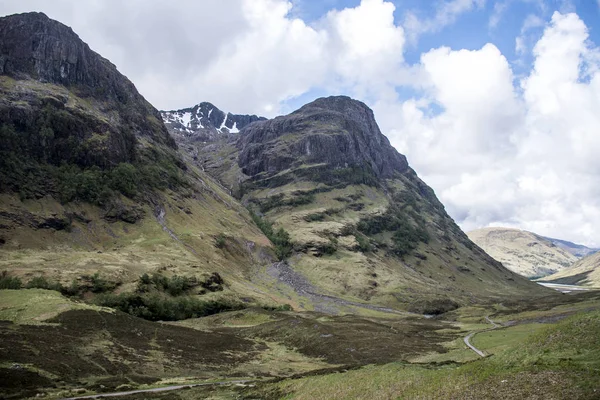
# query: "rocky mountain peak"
337,131
204,120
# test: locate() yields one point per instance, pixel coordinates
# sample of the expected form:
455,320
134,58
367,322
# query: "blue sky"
471,30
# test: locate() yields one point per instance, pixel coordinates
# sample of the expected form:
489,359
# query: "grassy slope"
121,252
531,361
377,277
585,272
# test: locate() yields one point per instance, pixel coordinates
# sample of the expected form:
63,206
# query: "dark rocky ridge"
36,47
337,130
70,123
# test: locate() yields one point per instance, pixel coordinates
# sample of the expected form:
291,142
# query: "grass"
551,362
499,340
35,306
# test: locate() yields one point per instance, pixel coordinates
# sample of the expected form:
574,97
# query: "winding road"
159,389
467,338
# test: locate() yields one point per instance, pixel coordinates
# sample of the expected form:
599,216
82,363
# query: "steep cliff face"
338,131
35,47
65,110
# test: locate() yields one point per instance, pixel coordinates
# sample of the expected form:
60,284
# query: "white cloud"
446,14
243,55
521,156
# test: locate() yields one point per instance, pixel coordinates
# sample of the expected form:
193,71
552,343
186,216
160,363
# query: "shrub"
99,284
283,307
9,282
314,217
124,178
329,248
220,241
363,243
40,282
175,285
279,201
280,238
159,307
407,234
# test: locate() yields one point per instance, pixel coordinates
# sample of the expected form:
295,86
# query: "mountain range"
90,166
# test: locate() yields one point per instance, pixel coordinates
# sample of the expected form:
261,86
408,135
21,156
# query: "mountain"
523,252
92,183
355,219
585,272
578,250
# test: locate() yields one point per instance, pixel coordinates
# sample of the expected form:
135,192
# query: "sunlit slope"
523,252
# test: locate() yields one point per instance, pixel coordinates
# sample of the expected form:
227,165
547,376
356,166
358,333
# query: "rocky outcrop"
71,125
35,47
337,131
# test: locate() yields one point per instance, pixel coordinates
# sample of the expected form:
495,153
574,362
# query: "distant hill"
585,272
524,252
578,250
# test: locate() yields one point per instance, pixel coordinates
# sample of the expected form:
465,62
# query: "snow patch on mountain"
205,118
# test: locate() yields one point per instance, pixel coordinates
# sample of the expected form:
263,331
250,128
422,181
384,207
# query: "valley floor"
55,347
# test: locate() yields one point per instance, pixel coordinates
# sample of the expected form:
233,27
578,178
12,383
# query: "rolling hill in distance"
525,253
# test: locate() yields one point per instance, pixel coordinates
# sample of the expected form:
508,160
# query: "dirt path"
467,338
156,390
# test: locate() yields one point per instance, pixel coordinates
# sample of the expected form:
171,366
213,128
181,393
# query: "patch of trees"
407,226
156,306
280,238
279,200
86,284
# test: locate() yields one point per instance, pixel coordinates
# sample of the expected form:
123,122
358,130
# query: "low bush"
160,307
407,235
283,307
220,241
328,248
9,282
178,285
279,201
363,243
280,238
40,282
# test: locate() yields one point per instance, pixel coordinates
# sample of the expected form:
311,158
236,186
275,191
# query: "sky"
496,104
